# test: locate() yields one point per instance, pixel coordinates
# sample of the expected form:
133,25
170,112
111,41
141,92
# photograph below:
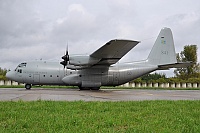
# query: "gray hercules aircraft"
99,68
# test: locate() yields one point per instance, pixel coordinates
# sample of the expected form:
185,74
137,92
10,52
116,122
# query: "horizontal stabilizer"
175,65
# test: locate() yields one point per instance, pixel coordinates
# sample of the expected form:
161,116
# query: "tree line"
3,74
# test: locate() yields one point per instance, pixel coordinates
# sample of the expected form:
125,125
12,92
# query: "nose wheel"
28,86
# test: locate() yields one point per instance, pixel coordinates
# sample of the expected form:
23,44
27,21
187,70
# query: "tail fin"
163,51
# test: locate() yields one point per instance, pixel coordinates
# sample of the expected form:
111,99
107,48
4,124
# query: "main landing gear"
28,86
89,88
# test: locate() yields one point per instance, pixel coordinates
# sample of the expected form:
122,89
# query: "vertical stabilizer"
163,51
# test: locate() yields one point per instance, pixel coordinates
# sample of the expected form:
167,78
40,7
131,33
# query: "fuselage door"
36,78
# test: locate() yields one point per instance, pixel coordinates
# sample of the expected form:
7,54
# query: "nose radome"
10,75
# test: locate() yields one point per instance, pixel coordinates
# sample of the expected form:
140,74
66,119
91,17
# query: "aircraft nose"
10,75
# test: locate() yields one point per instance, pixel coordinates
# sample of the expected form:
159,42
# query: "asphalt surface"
15,94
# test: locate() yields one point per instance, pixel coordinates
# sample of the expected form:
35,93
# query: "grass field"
79,116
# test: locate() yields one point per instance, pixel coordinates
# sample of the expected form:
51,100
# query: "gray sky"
35,29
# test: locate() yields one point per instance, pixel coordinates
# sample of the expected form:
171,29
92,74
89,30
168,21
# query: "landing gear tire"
28,86
95,88
89,88
84,88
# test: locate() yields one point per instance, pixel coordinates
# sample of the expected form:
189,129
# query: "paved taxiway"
15,94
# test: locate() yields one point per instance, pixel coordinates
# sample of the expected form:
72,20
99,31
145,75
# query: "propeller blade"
67,53
65,58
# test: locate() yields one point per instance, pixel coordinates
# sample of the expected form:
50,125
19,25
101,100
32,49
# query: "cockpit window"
19,70
20,65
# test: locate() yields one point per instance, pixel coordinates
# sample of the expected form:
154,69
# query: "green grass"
79,116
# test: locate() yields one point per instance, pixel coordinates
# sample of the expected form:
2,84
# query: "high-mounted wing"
113,51
107,55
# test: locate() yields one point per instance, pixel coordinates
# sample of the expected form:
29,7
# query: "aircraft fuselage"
53,73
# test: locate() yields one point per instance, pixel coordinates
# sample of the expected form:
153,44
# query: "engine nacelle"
80,60
73,67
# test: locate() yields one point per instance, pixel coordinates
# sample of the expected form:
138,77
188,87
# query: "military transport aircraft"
99,68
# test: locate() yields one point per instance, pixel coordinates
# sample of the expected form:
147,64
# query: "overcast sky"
35,29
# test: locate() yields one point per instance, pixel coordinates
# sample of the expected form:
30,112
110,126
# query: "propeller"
65,58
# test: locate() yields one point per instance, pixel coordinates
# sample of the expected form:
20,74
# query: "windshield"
21,65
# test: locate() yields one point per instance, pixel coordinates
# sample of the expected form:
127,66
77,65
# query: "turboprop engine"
80,60
75,62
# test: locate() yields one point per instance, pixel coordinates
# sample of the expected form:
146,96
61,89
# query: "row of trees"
188,54
155,79
3,74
